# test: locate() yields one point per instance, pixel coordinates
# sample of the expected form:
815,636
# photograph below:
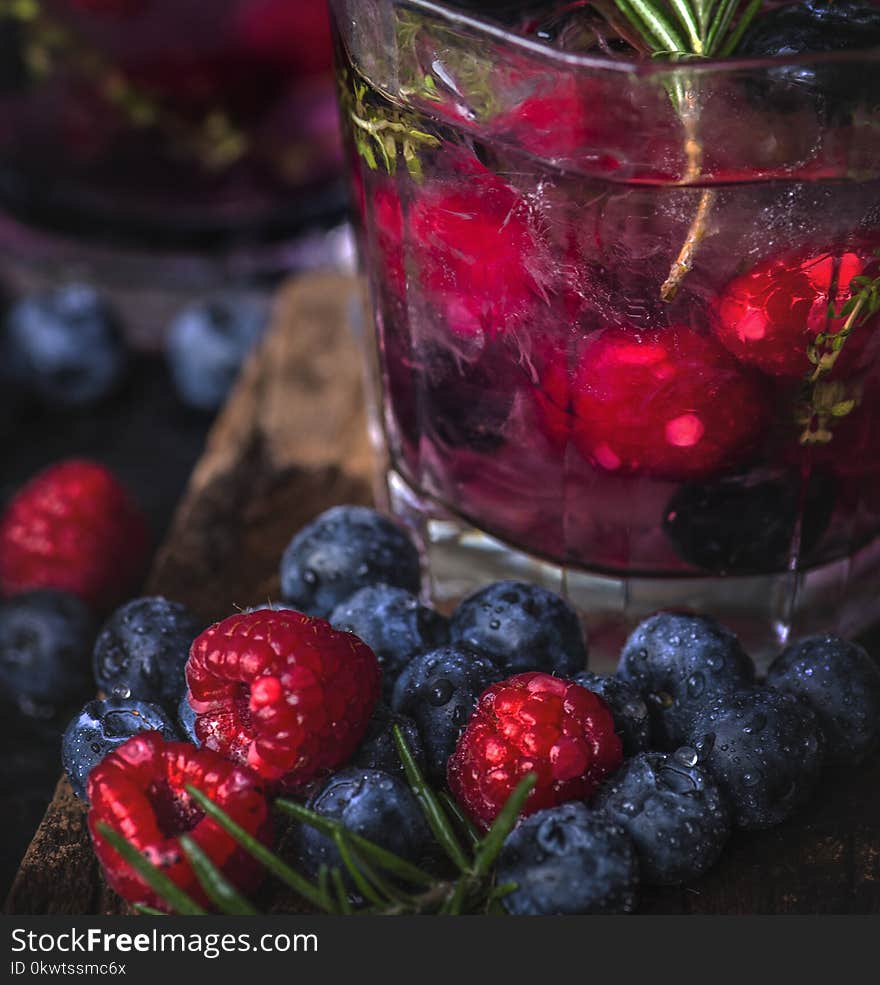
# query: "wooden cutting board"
293,441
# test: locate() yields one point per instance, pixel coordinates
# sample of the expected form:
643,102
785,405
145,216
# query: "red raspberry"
566,121
281,692
671,402
74,528
533,723
478,252
388,223
768,316
139,790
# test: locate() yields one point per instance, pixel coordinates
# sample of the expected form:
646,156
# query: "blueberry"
631,719
836,89
65,346
439,691
142,650
375,805
522,627
744,525
679,663
394,624
674,812
45,640
186,720
378,750
841,683
343,550
566,860
100,728
207,344
765,751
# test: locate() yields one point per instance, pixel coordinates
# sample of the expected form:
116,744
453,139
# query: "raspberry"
670,402
389,225
74,528
769,316
533,723
139,790
476,250
566,122
283,693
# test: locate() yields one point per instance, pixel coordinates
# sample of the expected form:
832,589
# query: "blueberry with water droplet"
522,627
45,640
373,804
629,710
143,648
394,624
679,663
567,860
674,812
746,524
103,726
766,753
840,681
345,549
378,750
439,691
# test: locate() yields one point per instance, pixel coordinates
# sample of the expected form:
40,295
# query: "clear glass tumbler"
626,319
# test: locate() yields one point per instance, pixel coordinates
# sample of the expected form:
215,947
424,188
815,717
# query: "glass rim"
571,59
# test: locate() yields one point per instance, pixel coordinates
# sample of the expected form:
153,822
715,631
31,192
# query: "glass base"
767,611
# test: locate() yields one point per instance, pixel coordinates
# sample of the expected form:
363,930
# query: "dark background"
152,442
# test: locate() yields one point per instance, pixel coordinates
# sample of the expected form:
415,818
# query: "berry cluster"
634,778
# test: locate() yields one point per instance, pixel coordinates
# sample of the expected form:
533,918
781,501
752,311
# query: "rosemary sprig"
382,135
826,402
383,882
679,30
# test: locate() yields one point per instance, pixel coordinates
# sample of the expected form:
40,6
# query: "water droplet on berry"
121,691
696,684
757,724
636,709
495,624
751,779
310,577
440,693
686,756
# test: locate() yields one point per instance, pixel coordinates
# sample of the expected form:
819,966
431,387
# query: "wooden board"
292,442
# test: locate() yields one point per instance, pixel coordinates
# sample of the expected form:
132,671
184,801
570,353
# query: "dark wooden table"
292,442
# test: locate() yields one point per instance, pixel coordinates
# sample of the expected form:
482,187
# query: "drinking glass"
626,319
